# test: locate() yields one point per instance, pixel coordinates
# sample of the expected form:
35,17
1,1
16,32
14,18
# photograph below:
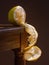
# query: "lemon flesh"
32,39
17,15
32,53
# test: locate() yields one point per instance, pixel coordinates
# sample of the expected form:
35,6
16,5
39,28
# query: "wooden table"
15,39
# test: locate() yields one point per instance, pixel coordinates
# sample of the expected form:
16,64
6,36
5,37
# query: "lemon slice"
32,40
31,30
32,53
17,14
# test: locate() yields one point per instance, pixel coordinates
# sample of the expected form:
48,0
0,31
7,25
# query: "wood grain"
10,39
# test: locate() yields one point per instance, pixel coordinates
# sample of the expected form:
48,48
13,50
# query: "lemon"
32,53
32,39
30,30
17,15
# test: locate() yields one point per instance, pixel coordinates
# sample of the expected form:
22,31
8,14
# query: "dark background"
37,15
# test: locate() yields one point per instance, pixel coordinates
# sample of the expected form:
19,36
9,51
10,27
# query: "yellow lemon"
17,15
32,53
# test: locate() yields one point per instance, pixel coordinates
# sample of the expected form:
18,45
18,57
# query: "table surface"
10,37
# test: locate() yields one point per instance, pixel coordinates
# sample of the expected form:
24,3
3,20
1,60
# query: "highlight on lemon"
32,53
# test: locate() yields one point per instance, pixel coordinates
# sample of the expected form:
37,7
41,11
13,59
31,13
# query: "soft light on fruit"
17,15
32,54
